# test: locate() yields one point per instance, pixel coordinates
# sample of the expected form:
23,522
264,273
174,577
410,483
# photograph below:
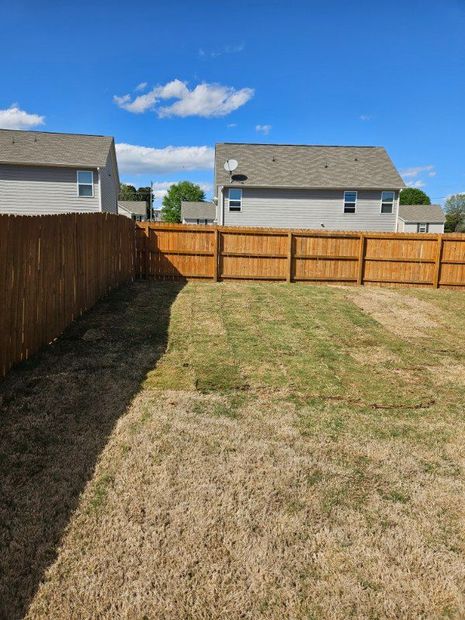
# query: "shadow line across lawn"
56,413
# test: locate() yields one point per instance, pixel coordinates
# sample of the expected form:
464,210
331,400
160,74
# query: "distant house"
135,209
42,173
198,212
300,186
421,219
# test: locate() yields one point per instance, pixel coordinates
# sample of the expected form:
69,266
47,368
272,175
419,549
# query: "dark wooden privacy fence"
52,269
171,251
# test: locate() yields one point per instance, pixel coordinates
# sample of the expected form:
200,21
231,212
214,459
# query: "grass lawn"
258,451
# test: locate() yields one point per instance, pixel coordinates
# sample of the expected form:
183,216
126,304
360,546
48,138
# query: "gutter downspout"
396,227
99,170
220,205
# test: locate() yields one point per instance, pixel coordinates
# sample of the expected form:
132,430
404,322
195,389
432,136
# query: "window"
235,199
85,181
387,202
350,202
422,228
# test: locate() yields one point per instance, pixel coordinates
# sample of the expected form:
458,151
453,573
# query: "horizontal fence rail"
179,251
52,269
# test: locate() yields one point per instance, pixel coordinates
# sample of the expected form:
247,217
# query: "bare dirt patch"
402,314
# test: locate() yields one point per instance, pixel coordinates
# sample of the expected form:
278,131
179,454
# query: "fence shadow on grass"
56,414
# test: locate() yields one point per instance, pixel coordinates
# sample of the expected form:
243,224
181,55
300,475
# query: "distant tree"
143,193
414,196
184,190
455,213
127,192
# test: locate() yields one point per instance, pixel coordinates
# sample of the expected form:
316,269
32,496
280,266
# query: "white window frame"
235,209
350,202
78,184
423,224
387,191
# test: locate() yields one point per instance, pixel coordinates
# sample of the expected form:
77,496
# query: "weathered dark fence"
52,269
171,251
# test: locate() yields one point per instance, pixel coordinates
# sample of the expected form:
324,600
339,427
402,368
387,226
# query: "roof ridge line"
57,133
327,146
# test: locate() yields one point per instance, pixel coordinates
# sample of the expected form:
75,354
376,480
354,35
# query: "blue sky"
388,73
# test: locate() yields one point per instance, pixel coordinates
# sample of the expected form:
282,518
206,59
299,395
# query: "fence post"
361,260
289,257
437,269
215,254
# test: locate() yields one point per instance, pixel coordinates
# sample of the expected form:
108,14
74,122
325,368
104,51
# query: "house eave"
315,187
420,221
73,166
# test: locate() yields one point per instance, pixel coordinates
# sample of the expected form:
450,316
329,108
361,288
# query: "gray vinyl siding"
37,190
190,220
295,208
109,186
410,227
122,211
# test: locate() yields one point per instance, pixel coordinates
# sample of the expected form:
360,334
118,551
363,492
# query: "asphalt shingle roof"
198,210
42,148
138,207
305,166
422,214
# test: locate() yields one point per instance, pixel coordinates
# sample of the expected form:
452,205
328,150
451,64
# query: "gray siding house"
134,209
43,173
421,219
198,212
300,186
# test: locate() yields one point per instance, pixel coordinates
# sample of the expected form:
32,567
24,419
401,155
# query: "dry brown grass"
399,311
290,458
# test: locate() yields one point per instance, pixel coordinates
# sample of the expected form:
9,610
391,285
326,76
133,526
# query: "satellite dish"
230,165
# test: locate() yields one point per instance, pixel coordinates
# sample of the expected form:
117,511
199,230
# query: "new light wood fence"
222,253
52,269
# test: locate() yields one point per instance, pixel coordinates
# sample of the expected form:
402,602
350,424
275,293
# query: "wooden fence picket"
179,251
52,269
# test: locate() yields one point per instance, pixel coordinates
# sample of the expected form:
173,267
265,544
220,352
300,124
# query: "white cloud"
143,159
139,105
207,100
160,189
141,86
413,176
413,172
226,49
365,117
264,129
15,118
231,125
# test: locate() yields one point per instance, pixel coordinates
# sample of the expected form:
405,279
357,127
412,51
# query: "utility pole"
151,201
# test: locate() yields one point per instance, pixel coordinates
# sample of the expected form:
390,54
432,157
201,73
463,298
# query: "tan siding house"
46,173
303,186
